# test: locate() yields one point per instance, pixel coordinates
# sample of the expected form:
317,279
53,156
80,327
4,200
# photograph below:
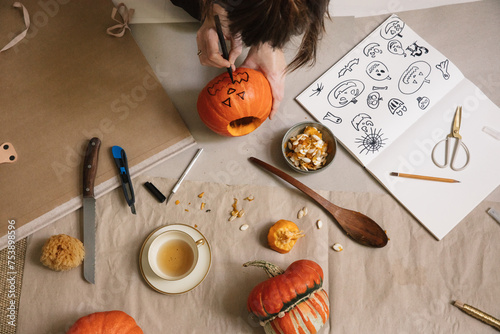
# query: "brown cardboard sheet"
66,82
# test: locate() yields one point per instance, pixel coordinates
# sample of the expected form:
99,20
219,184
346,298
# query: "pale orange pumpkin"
235,108
291,301
109,322
283,235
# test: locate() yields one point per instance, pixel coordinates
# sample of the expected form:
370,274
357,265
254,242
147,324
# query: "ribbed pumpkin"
235,108
109,322
291,301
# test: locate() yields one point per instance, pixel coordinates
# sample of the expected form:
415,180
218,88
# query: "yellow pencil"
422,177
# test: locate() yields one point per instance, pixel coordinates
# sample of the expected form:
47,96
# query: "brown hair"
276,21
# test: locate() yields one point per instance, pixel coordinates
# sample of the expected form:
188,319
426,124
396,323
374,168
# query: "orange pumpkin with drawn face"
235,108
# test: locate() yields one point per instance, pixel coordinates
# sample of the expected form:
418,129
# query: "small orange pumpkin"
291,301
283,235
235,108
109,322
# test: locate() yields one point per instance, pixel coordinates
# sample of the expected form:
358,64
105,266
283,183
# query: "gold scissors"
458,143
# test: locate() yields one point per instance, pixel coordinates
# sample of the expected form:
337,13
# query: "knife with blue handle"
122,164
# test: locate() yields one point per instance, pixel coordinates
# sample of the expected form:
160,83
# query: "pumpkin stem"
271,270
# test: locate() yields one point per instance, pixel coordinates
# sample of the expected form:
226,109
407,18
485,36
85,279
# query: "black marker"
225,54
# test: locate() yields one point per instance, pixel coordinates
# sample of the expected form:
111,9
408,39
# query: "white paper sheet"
362,8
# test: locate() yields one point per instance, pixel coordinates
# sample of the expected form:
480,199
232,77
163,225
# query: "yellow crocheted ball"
62,252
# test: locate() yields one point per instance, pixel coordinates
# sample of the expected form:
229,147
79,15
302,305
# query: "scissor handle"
445,154
467,155
455,149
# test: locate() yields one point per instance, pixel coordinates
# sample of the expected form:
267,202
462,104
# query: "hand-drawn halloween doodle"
414,77
377,71
371,50
396,107
373,100
423,102
348,67
371,142
443,67
392,29
223,83
417,50
332,118
362,122
318,89
395,47
345,92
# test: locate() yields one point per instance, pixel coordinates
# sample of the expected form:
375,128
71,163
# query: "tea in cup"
174,254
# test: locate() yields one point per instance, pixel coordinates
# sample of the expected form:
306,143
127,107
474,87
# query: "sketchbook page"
362,8
441,206
380,88
156,11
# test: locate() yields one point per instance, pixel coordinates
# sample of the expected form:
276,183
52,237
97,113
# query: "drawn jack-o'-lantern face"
235,108
345,92
392,29
414,77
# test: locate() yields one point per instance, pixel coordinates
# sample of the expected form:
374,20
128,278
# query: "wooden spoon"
358,227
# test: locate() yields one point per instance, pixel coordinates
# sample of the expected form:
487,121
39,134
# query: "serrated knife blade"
89,174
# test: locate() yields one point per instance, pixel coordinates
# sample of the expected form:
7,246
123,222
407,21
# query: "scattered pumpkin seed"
302,212
241,213
319,224
337,247
201,195
231,218
243,227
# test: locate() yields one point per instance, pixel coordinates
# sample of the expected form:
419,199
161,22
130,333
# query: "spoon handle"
299,185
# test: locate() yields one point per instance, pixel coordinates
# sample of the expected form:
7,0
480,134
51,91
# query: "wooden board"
65,83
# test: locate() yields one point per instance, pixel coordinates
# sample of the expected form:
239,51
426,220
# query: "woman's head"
276,21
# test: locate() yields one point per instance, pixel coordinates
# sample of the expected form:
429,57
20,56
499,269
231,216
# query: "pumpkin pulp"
244,126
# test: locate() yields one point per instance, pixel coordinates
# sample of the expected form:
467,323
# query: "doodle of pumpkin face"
414,77
423,102
377,71
395,47
345,93
392,29
373,100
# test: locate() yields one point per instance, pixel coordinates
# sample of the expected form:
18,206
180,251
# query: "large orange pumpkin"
291,301
109,322
235,108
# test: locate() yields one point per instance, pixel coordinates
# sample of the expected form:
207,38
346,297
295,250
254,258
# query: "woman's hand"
208,41
272,63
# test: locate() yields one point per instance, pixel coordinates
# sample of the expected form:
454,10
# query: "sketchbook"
389,101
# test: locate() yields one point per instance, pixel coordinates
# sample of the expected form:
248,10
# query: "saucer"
185,284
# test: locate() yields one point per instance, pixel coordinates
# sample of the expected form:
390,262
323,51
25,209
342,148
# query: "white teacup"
174,254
